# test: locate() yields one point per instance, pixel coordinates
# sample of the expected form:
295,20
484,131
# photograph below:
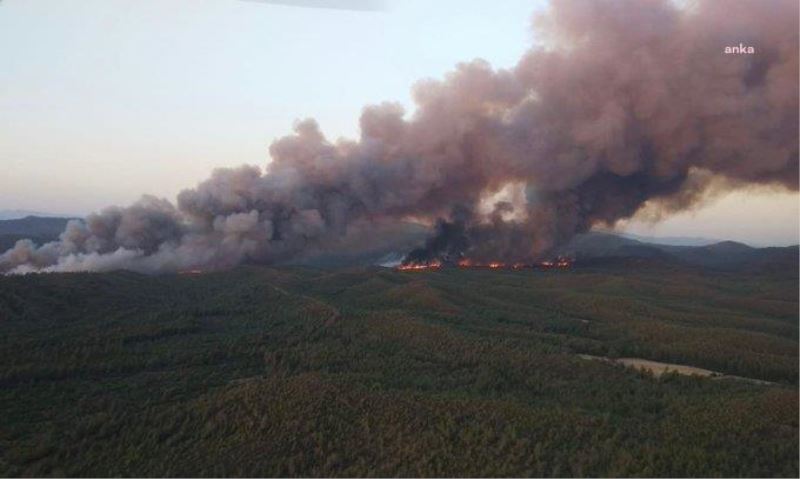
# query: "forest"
368,371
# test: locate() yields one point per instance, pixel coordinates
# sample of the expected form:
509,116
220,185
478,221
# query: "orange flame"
419,266
560,262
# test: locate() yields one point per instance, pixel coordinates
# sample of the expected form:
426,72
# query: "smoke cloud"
623,103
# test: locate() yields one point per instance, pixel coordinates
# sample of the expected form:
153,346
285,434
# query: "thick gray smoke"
624,102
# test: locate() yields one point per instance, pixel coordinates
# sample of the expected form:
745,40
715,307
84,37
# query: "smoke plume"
622,103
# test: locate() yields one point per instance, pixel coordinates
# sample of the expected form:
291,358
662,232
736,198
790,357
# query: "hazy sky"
103,100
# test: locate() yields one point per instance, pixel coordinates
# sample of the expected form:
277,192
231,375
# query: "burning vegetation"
561,262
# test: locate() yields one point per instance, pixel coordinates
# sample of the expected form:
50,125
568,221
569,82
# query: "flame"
420,266
466,263
564,263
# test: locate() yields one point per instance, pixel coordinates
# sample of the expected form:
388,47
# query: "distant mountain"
34,225
723,255
36,228
17,214
671,240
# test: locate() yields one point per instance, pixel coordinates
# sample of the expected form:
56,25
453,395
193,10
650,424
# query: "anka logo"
739,49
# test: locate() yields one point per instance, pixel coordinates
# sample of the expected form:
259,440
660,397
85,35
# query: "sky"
104,100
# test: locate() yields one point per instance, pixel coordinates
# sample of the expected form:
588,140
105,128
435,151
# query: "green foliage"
301,372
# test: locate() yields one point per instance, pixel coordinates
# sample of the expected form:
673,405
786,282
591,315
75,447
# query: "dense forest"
370,371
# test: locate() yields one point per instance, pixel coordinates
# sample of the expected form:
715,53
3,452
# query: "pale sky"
103,100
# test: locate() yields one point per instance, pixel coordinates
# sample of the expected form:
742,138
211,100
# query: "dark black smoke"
449,242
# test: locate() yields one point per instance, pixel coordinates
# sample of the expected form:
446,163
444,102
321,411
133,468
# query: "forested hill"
722,255
302,372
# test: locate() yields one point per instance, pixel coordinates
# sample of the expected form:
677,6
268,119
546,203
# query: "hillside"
38,229
724,255
368,371
34,226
